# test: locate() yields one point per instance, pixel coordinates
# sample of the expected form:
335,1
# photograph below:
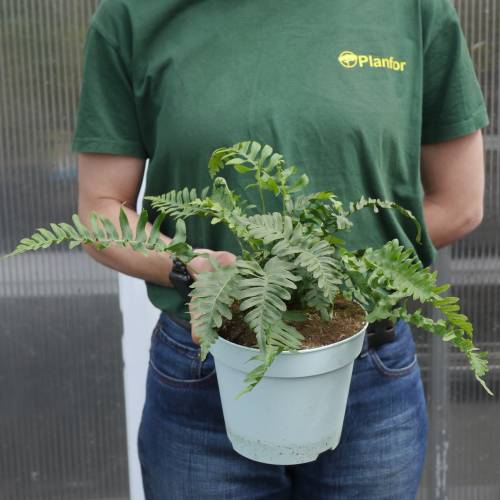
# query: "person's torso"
334,86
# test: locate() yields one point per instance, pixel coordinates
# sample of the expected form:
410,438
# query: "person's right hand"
202,264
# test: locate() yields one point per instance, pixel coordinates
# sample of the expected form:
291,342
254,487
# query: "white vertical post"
139,318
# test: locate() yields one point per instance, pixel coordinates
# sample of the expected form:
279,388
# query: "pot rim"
311,349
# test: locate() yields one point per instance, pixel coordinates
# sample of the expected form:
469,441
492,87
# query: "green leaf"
265,153
272,186
485,387
140,232
242,169
61,235
109,228
275,160
73,244
49,237
155,231
125,226
82,230
180,232
442,288
299,184
255,147
98,232
70,231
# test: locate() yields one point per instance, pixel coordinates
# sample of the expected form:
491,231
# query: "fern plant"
295,256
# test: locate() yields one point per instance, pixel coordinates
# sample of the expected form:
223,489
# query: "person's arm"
105,181
452,174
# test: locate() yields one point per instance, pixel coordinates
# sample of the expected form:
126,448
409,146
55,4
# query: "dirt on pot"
348,319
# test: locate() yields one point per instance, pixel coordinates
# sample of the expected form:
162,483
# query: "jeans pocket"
397,358
177,363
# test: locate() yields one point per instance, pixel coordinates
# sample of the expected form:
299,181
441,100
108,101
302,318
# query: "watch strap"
180,278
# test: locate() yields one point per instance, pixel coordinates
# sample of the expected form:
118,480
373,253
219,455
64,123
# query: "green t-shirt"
347,91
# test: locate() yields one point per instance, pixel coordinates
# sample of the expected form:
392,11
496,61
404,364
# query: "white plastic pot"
297,410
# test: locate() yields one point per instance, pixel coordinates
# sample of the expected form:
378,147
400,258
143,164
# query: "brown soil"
348,318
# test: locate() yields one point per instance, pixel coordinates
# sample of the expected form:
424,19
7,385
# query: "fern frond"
103,234
393,273
280,337
398,268
44,238
255,376
314,256
315,298
294,240
375,204
245,156
269,228
222,206
305,251
284,336
183,203
319,262
451,331
321,209
227,207
263,292
211,297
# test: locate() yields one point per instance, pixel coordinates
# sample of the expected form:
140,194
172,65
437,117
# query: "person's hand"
201,265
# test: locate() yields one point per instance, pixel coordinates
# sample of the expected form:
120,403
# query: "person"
374,98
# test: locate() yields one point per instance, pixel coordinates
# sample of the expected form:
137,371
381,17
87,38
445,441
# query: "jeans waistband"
180,321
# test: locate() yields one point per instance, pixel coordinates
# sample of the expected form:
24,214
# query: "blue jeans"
186,455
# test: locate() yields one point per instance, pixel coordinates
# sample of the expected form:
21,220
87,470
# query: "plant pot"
297,410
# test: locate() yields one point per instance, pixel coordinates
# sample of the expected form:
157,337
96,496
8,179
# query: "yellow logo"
350,60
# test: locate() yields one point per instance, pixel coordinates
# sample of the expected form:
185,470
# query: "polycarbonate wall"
62,428
62,418
463,460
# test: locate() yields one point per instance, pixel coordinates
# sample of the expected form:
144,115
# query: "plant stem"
283,194
262,204
261,194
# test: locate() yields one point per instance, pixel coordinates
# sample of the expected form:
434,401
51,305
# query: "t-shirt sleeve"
453,104
106,118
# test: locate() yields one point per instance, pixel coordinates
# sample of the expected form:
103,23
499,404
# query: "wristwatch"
180,278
